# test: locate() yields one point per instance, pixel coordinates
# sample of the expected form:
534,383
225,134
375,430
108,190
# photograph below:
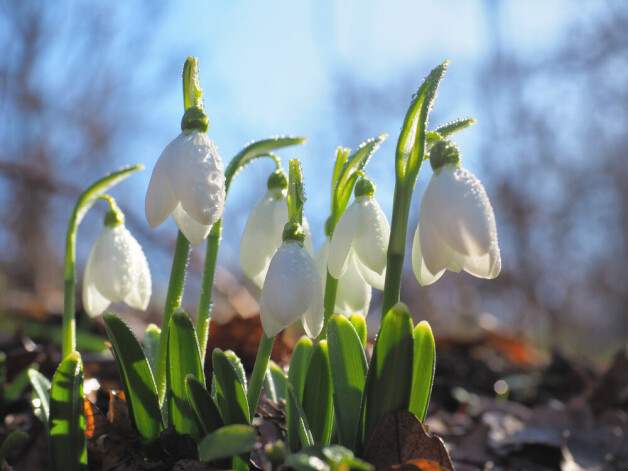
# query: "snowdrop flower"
456,221
188,181
264,229
362,231
116,269
292,288
353,295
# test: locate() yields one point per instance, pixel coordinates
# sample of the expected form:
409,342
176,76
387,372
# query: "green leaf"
305,462
10,443
411,144
230,394
14,390
301,429
41,397
296,193
342,155
317,395
256,149
137,379
299,363
192,92
269,385
423,371
449,129
183,359
238,367
151,344
280,380
67,416
203,406
389,379
341,193
359,324
348,372
337,457
231,440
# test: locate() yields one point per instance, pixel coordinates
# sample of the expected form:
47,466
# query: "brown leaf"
418,465
399,439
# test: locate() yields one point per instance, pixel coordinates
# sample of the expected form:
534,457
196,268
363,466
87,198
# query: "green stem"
397,242
331,288
69,286
173,301
259,371
205,301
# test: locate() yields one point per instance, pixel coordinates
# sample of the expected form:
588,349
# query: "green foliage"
317,394
230,393
389,379
67,416
227,441
326,458
423,369
40,399
299,364
183,359
203,406
298,424
10,443
348,372
137,379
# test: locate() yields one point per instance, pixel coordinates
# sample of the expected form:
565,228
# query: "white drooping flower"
364,230
263,232
116,271
457,228
188,182
292,291
353,295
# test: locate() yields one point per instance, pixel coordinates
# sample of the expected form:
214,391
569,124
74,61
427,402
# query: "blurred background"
86,87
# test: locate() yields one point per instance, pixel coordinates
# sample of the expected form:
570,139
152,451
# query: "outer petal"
160,200
314,317
341,241
261,239
192,230
467,222
376,280
198,179
93,302
307,243
422,273
139,296
112,264
354,293
288,289
484,266
437,255
372,234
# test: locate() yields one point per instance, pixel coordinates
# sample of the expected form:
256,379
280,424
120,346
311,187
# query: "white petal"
371,235
423,275
94,303
376,280
142,288
320,260
341,241
261,239
198,179
160,200
192,230
314,317
307,243
437,255
288,290
112,265
467,221
354,294
483,266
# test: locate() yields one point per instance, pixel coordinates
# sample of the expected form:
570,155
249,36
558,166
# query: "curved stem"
173,301
259,371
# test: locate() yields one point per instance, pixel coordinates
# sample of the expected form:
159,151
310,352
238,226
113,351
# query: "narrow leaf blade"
389,379
40,397
423,369
183,359
230,394
137,379
280,380
151,344
317,395
67,418
203,406
301,427
348,372
227,441
299,363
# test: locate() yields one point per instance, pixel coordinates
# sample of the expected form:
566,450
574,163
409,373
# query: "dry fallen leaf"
399,439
